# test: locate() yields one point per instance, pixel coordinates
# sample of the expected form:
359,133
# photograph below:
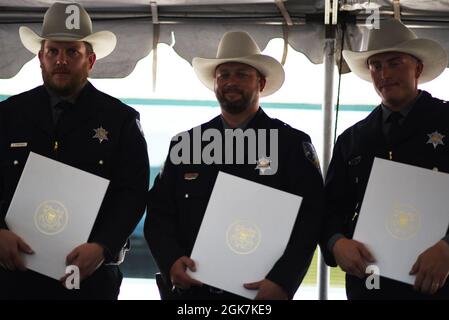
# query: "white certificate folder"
53,209
244,232
405,211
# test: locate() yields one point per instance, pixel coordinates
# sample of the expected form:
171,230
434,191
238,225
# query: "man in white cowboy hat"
67,119
403,128
239,75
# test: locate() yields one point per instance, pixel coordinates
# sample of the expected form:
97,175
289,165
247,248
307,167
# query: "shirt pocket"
97,166
11,166
194,186
193,193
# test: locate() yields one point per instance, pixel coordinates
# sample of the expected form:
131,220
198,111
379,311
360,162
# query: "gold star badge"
435,138
101,134
262,165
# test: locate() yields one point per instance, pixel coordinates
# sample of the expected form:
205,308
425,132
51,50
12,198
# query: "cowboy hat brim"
103,42
268,66
431,54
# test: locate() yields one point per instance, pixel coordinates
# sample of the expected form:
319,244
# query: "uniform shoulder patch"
310,153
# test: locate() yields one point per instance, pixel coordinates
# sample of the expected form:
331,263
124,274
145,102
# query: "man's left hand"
268,290
87,257
432,268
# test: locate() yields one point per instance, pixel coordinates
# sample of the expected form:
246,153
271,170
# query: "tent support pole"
328,137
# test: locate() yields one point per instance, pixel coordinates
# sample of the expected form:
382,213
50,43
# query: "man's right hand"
178,275
352,256
11,246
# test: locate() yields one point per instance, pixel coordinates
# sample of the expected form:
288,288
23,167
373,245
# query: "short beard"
233,107
71,88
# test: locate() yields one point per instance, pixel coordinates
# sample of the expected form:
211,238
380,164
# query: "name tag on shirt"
19,144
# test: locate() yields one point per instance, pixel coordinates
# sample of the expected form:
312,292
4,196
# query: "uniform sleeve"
336,204
124,203
305,179
2,194
161,224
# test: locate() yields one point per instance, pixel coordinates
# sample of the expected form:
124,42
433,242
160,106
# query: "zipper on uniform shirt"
390,155
56,146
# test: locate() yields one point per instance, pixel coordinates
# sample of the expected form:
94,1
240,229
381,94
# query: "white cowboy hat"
61,24
393,36
240,47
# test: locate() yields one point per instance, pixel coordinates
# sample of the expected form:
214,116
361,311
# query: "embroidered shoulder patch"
310,153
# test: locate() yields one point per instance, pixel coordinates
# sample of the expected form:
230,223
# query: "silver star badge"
262,165
101,134
435,138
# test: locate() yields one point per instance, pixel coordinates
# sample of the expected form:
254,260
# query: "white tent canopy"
194,27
